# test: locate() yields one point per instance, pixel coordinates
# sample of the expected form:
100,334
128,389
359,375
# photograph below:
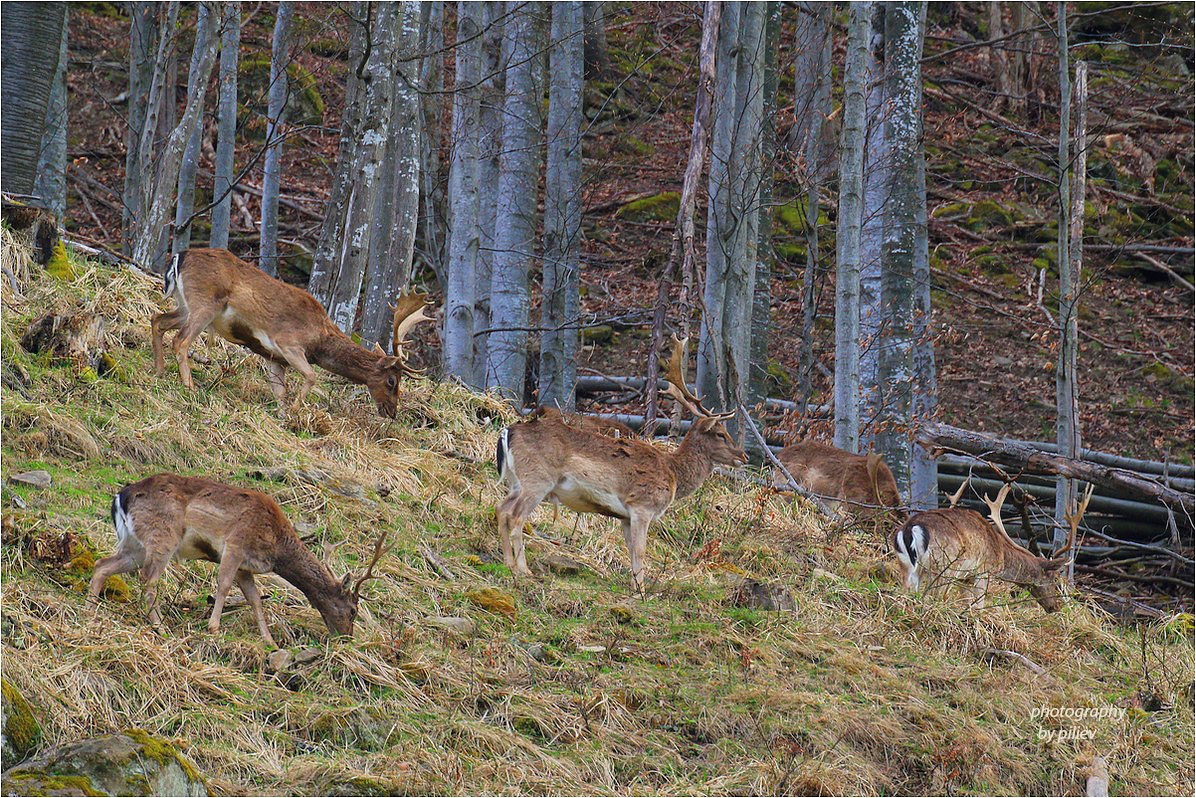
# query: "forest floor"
991,203
562,683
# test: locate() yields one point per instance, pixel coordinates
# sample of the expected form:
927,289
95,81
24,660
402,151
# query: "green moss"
601,334
163,753
36,783
493,600
787,251
660,207
306,105
987,214
60,265
633,145
363,786
21,729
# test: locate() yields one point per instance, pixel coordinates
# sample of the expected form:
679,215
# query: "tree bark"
276,109
489,148
396,212
226,136
143,36
874,315
515,222
29,53
847,277
597,56
463,197
205,34
1066,422
561,302
51,163
924,477
432,216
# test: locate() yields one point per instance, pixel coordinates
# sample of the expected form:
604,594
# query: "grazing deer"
860,480
285,325
955,546
167,516
625,478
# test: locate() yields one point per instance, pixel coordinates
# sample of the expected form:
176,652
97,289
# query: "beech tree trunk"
463,197
925,472
143,41
29,52
205,34
851,188
874,314
226,136
597,56
276,109
51,163
1066,421
561,300
489,148
515,222
432,202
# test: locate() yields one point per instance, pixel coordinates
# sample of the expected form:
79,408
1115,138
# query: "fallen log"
589,385
964,464
937,437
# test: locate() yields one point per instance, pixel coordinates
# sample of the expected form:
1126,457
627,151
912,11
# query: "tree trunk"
847,276
597,56
51,164
226,138
397,206
463,197
561,302
998,60
367,162
903,136
515,222
326,263
925,473
811,106
205,33
432,214
276,109
490,145
29,52
1066,423
877,167
143,37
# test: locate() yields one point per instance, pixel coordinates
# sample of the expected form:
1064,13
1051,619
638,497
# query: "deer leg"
151,572
297,359
276,375
635,533
515,509
198,320
118,563
158,327
230,564
249,589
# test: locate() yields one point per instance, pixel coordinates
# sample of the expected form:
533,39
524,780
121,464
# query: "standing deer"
958,547
625,478
863,481
285,325
168,516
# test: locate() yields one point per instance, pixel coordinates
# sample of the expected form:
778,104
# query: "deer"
167,517
959,547
603,426
284,325
619,477
862,480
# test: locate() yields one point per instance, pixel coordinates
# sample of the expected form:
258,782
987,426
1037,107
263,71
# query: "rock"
279,660
562,565
461,626
307,656
34,479
129,763
363,728
493,600
363,786
622,614
592,649
20,733
757,595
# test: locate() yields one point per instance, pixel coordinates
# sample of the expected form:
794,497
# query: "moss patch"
32,782
22,732
660,207
60,265
493,600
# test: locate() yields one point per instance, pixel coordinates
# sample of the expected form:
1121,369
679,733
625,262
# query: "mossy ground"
864,689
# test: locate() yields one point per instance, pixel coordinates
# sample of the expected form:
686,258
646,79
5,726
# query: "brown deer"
285,325
862,481
168,516
603,426
625,478
939,549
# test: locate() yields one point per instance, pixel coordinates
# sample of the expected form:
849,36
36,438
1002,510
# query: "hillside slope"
575,686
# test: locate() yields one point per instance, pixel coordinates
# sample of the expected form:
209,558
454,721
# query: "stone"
20,733
307,656
592,649
562,565
757,595
130,763
34,479
461,626
279,660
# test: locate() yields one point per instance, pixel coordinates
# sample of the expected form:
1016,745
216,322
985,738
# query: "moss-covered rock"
660,207
60,263
493,600
363,786
20,733
306,105
130,763
363,728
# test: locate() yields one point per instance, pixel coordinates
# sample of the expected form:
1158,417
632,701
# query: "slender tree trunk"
205,33
276,109
463,197
143,36
432,214
51,164
874,314
226,138
998,59
597,55
1065,423
812,105
396,213
31,44
490,145
515,222
925,471
851,186
151,239
903,136
326,264
561,302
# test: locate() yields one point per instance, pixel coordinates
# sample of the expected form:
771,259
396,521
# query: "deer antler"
369,570
1074,516
675,376
994,508
408,312
957,495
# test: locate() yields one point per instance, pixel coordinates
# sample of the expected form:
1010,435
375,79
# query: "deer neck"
337,353
302,569
691,466
1020,567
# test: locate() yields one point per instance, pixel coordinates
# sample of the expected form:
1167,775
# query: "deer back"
835,473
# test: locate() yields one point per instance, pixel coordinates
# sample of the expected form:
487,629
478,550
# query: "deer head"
707,432
339,610
389,371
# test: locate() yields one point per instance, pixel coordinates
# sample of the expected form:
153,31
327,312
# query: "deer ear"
1052,566
707,424
348,580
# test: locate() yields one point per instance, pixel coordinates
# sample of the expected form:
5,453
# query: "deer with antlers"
957,547
285,325
619,477
167,516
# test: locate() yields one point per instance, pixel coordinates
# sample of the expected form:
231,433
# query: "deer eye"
390,381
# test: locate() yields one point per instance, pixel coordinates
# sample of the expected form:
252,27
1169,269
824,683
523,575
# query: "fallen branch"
438,565
1167,270
993,653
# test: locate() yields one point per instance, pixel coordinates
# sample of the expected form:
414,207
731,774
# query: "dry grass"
864,690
